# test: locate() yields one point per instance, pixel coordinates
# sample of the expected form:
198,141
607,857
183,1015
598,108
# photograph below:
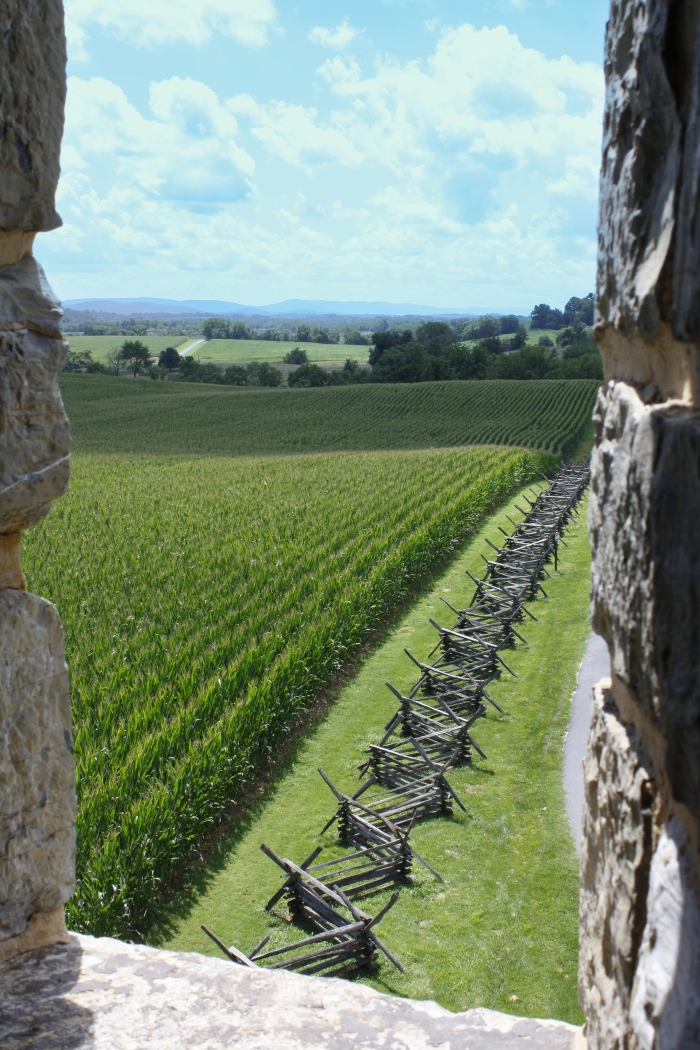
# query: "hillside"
140,416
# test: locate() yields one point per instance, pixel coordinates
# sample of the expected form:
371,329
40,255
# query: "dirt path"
191,347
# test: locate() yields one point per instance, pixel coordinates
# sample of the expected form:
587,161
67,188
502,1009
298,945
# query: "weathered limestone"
639,976
32,98
34,434
104,995
37,819
37,793
616,854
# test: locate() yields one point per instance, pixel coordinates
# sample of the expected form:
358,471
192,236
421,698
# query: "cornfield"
204,602
122,415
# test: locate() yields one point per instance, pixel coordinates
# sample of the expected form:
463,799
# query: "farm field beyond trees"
110,414
100,345
204,602
236,351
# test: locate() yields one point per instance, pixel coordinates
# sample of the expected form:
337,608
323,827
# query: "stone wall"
37,793
639,974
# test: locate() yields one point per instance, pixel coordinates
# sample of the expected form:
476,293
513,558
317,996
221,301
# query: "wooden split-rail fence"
407,771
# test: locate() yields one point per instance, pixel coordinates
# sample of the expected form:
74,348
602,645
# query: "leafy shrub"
263,374
356,338
296,357
309,375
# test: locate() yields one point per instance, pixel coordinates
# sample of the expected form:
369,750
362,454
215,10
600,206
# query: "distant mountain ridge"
140,305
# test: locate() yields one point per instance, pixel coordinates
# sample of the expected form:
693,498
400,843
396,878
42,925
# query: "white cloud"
337,38
186,152
580,178
482,92
465,179
294,133
146,23
75,41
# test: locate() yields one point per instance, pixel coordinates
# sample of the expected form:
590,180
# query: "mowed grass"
205,601
505,922
242,351
110,414
100,345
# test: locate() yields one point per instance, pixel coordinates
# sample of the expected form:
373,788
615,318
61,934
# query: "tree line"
496,348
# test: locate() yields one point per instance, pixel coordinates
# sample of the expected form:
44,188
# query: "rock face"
640,917
100,994
37,800
37,793
615,860
34,431
32,99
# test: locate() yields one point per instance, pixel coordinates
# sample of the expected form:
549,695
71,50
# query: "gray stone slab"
37,774
595,665
100,994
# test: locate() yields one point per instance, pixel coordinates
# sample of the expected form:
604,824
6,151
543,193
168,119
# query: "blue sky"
428,151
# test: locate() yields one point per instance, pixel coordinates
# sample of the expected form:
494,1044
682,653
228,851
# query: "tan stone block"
34,430
615,859
32,100
37,776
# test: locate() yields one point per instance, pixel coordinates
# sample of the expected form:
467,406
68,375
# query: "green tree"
509,324
169,358
519,338
304,334
435,336
260,373
296,357
189,370
135,355
309,375
211,326
114,360
579,311
356,338
487,327
236,375
82,361
575,333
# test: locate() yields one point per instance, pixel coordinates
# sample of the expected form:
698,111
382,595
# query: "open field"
100,345
505,923
242,351
111,414
204,603
533,336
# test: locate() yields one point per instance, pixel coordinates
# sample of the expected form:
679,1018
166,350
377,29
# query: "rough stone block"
616,854
100,994
27,300
34,430
621,470
32,100
37,790
665,1008
644,526
641,156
